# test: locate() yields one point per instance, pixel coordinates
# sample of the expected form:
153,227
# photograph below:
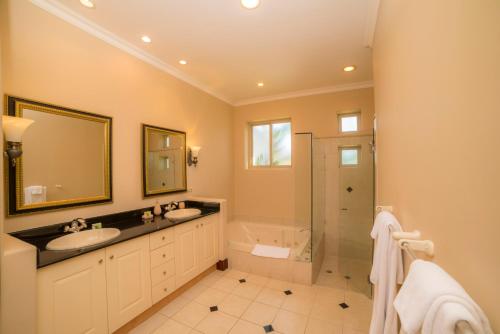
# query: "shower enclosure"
335,192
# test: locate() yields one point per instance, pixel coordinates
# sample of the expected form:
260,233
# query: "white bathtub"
242,236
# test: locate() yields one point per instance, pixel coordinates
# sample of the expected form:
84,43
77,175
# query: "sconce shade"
195,150
14,127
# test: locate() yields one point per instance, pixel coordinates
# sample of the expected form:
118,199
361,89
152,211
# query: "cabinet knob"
111,257
164,255
197,226
201,224
164,273
165,289
163,238
101,261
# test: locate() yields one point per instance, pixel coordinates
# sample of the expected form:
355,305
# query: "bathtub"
241,237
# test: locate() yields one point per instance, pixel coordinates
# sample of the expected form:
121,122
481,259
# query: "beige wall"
49,60
437,84
268,194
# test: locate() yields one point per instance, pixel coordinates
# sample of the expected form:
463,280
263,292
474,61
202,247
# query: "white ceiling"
290,45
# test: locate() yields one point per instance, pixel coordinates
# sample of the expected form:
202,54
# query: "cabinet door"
208,245
128,276
72,296
186,257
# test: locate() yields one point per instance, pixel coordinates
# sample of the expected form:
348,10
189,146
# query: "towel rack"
410,241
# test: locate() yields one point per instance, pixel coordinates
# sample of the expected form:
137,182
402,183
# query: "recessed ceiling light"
250,4
87,3
183,62
146,39
260,84
349,68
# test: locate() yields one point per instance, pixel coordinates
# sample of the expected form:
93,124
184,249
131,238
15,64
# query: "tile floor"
236,302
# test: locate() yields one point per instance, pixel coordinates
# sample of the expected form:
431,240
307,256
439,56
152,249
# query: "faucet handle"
81,223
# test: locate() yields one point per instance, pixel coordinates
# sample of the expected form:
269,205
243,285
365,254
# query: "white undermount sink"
83,239
182,214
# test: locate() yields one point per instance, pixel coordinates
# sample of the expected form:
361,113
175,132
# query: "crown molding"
70,16
306,92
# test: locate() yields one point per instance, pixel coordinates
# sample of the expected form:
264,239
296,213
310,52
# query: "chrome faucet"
77,225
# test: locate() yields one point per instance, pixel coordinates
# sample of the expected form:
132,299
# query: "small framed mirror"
65,161
163,161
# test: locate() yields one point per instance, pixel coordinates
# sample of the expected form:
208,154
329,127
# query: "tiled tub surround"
242,237
238,302
130,224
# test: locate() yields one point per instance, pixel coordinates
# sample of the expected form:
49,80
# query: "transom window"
271,144
349,122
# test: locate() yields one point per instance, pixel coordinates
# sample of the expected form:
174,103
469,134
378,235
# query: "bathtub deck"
247,303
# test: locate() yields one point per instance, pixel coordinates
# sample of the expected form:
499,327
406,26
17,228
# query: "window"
271,144
349,122
349,156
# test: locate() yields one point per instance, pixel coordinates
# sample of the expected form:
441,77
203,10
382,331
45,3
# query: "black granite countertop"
130,223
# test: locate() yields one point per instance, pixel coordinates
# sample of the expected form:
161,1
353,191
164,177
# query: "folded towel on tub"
271,251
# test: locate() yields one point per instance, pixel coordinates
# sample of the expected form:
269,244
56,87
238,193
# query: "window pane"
260,138
349,157
282,144
349,123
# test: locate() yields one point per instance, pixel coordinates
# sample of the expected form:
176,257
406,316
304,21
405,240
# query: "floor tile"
278,285
226,284
358,319
334,314
304,290
211,297
289,322
192,314
174,306
271,297
330,297
232,273
247,290
172,327
212,278
257,279
298,304
260,314
216,323
234,305
245,327
348,330
317,326
194,291
150,325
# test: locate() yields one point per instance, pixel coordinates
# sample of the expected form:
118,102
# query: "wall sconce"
193,155
13,129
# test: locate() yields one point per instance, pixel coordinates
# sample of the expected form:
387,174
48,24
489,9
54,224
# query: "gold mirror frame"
14,175
149,192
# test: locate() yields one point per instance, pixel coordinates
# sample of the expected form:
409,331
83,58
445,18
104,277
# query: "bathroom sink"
182,214
83,239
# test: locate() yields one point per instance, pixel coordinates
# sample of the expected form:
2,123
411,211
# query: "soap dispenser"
157,209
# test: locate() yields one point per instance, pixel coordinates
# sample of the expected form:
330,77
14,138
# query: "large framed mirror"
163,161
66,159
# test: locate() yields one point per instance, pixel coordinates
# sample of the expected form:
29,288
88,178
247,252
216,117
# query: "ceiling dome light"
146,39
260,84
87,3
250,4
183,62
349,68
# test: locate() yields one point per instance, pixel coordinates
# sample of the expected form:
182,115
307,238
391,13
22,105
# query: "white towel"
35,194
432,302
387,272
271,251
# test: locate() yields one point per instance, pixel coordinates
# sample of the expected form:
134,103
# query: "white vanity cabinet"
72,296
128,280
162,264
196,248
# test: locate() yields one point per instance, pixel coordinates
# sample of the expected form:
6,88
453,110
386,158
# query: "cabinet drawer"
161,238
163,289
162,272
162,255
